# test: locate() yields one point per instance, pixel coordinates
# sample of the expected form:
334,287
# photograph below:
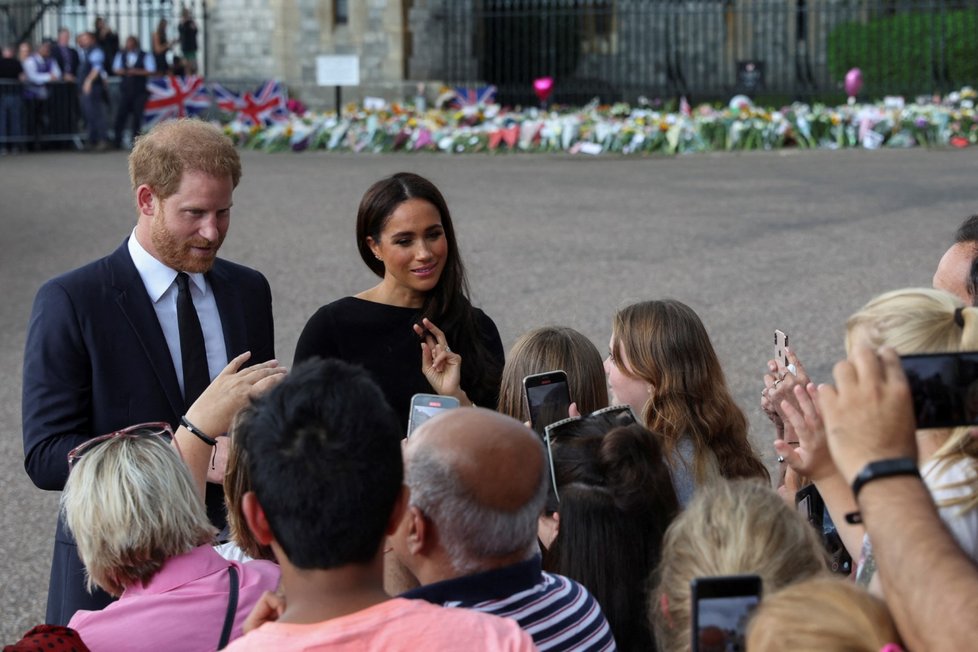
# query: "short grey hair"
470,532
131,505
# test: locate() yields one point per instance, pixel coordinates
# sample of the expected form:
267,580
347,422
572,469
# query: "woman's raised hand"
440,366
811,458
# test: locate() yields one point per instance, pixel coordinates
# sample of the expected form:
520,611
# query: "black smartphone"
810,504
944,388
547,398
721,608
425,406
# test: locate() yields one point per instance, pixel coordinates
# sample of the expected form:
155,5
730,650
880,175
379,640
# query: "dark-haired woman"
613,494
413,329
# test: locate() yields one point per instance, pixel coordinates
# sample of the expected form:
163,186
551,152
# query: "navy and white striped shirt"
557,612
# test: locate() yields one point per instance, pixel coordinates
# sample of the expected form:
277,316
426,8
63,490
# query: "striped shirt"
557,612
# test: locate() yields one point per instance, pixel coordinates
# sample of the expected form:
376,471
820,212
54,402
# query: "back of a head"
172,148
548,349
131,505
838,617
914,320
324,455
480,477
616,497
237,482
667,346
730,528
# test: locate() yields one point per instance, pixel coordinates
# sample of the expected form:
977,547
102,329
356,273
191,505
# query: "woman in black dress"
401,328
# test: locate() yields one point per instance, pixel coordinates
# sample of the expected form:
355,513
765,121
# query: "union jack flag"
265,106
474,96
175,97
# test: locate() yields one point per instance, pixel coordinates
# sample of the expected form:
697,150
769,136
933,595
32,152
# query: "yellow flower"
663,126
836,119
412,122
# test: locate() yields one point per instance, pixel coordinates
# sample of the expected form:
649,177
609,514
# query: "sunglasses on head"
598,422
158,429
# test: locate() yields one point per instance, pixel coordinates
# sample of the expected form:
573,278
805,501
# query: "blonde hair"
924,320
666,344
160,158
237,482
547,349
729,528
838,617
131,505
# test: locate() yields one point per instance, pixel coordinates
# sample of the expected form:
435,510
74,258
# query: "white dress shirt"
161,286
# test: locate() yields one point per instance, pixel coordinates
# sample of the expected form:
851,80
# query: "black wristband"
884,469
210,441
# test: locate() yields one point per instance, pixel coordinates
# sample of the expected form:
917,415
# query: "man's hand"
268,609
869,414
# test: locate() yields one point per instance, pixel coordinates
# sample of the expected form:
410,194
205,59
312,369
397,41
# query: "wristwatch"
884,469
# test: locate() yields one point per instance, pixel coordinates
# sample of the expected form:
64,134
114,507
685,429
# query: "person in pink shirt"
143,534
324,455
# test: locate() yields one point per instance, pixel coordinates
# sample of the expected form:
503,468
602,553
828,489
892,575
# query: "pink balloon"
543,87
854,82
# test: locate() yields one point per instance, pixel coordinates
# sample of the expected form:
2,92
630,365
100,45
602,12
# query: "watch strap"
884,469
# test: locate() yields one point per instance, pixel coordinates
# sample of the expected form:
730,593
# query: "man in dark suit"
135,336
66,56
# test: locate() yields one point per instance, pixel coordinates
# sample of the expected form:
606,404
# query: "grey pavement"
792,240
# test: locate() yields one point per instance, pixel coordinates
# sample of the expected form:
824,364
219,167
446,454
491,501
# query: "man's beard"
178,255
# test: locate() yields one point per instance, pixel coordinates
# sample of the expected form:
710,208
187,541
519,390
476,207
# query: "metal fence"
37,20
709,49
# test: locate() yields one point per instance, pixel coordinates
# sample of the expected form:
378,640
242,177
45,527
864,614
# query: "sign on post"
338,70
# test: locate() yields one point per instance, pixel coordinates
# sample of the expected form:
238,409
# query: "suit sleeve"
264,347
57,395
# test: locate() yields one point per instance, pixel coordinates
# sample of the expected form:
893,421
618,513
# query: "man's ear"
419,531
146,201
255,517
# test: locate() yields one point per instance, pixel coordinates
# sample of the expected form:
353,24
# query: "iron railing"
709,49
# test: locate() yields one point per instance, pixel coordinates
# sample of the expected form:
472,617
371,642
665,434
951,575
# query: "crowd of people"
43,88
213,499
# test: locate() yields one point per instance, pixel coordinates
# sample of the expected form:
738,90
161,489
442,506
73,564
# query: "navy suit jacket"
96,361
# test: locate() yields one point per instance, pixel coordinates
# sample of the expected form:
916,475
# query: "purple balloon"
854,82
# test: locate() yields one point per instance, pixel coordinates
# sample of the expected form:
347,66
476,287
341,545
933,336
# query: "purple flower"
921,123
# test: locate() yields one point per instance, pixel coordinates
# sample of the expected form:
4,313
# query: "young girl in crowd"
401,329
607,513
825,614
547,349
739,527
662,363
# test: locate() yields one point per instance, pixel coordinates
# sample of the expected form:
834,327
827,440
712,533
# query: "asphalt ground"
789,239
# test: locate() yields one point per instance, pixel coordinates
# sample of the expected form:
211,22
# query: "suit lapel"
139,312
231,308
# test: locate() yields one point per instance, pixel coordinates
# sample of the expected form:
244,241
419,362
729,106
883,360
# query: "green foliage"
908,53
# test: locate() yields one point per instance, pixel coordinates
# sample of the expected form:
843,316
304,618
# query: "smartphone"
721,609
781,348
547,398
944,388
425,406
810,504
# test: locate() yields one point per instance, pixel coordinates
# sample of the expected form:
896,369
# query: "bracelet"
210,441
875,471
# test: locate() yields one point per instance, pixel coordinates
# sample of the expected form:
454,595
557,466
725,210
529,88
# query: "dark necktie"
196,377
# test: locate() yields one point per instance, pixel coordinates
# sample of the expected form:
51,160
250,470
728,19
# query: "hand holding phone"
425,406
944,387
781,352
547,398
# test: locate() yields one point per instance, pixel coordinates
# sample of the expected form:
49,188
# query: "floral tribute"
618,128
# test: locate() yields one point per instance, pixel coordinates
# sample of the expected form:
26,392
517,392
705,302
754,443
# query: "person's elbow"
43,472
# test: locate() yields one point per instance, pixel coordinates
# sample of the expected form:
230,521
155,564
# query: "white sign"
338,70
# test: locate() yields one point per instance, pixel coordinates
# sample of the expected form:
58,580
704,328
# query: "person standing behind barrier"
40,69
160,47
66,56
108,41
11,125
134,66
188,40
92,92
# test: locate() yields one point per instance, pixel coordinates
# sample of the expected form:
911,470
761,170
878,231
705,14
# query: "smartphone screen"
547,398
425,406
944,388
721,609
810,504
